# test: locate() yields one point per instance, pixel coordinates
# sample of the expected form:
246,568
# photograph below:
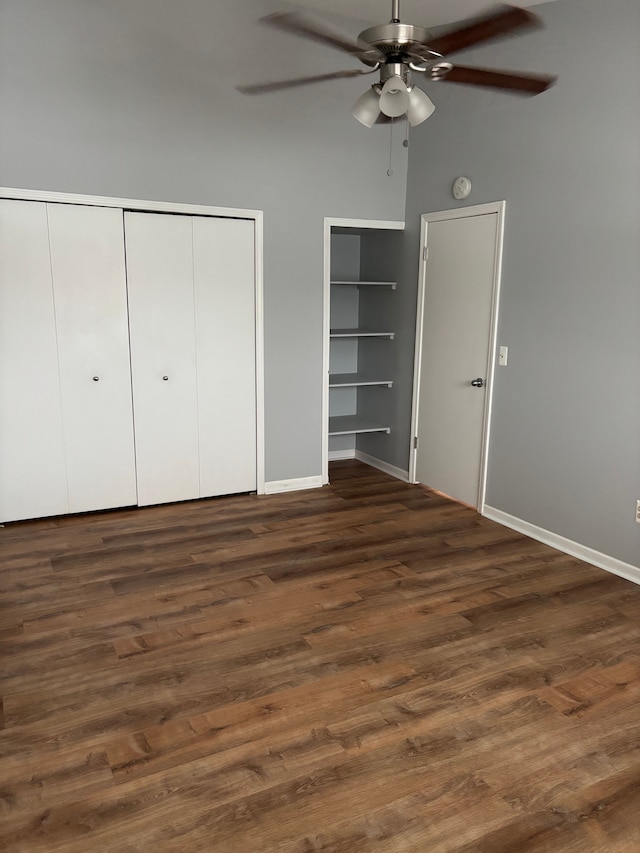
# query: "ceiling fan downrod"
395,11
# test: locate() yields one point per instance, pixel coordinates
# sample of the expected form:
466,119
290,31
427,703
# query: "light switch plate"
503,356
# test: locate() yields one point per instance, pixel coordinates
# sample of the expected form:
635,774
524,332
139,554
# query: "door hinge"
415,442
425,253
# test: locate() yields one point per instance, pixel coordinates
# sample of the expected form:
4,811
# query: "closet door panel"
89,285
32,469
163,358
224,276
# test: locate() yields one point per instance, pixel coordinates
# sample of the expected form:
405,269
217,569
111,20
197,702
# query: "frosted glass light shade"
394,97
420,107
367,108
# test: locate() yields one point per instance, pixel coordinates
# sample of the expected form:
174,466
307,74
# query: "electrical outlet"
638,512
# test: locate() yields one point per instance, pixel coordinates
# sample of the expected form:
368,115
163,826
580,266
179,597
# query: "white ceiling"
425,13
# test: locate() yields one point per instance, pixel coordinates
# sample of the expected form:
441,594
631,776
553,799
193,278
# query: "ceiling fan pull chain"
390,169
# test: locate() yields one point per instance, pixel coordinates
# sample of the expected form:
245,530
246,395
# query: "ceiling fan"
397,51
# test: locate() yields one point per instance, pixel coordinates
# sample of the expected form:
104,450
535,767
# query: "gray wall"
135,98
565,446
382,308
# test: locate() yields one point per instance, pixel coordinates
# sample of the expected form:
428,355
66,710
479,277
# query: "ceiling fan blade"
300,25
524,84
263,88
499,22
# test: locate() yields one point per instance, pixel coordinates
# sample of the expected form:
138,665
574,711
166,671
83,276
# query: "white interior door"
454,348
89,285
224,281
32,467
163,357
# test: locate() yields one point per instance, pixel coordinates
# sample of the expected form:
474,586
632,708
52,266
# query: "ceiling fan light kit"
396,50
368,108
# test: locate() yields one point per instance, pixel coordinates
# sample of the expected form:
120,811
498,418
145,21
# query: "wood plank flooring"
364,667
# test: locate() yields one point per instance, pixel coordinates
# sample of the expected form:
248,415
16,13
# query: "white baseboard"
337,455
275,487
374,462
568,546
398,473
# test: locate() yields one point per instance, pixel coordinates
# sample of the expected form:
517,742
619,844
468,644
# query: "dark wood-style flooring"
365,667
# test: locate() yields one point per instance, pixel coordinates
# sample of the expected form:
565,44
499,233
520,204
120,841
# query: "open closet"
362,261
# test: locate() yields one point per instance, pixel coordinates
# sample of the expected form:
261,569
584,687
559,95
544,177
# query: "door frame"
257,216
497,207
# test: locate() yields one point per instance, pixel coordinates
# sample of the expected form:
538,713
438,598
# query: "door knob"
478,383
165,378
96,379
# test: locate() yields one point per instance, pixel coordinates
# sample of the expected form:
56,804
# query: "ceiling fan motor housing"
396,40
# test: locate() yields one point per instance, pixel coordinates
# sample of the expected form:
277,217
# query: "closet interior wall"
343,354
380,260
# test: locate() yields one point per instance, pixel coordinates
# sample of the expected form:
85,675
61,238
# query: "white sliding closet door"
191,286
163,356
224,279
32,465
89,284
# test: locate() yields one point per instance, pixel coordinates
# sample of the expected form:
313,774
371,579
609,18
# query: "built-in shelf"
350,380
360,333
361,371
349,424
391,284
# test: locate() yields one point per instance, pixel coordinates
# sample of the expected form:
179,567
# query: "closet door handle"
165,378
96,379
